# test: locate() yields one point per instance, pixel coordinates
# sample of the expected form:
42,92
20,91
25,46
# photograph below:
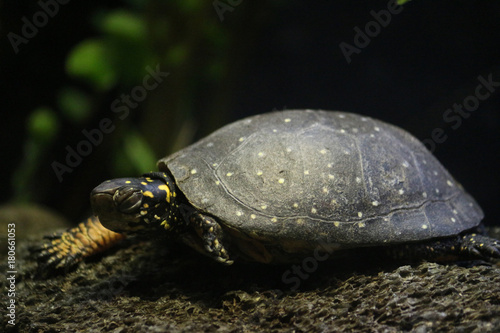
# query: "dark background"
279,54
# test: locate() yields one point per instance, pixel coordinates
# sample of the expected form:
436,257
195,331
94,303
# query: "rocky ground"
151,287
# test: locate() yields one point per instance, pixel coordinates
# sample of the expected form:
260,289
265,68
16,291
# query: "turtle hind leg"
66,249
480,246
211,235
469,246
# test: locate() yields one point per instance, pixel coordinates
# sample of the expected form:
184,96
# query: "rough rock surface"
148,286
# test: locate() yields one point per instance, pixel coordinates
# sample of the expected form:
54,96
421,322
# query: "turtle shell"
322,177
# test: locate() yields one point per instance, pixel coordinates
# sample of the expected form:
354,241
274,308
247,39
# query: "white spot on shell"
377,129
259,172
210,144
193,171
329,165
300,221
341,116
424,194
336,224
323,151
342,130
325,190
449,183
425,226
437,190
364,119
229,174
372,135
453,220
215,165
314,210
275,130
295,205
253,216
455,212
360,214
239,213
361,224
260,154
330,176
358,180
287,120
435,173
288,150
306,172
375,203
281,180
274,219
355,130
405,164
401,191
241,139
346,152
263,206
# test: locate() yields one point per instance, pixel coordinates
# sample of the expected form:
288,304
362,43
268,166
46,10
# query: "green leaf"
74,104
139,153
43,125
91,62
121,23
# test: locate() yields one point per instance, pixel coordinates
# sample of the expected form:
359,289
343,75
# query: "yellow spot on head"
165,188
128,182
148,194
145,205
144,183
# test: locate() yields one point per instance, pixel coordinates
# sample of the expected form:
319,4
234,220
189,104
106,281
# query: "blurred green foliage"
185,38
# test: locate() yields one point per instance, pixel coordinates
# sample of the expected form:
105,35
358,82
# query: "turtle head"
136,205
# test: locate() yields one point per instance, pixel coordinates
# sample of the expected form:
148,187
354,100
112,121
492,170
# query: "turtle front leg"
211,235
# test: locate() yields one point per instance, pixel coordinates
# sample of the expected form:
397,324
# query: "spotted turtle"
276,187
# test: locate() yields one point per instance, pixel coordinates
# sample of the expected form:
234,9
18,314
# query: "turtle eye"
127,199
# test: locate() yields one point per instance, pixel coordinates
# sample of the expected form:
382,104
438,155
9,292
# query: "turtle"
278,187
